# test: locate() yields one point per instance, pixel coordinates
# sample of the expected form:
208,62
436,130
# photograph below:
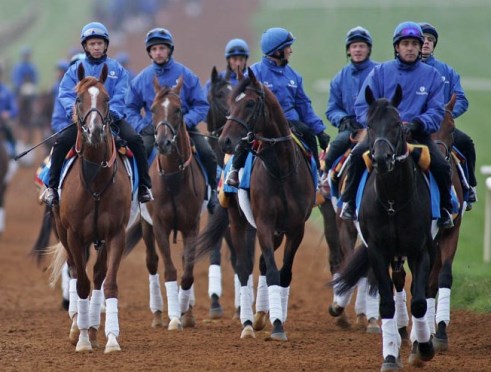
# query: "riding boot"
145,185
238,161
50,196
232,177
211,172
355,172
445,221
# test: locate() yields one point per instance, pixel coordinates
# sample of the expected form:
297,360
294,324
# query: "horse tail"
356,268
59,258
214,231
133,235
40,248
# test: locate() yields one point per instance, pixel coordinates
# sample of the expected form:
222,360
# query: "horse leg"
215,281
391,340
187,279
97,297
422,343
233,261
402,316
114,248
262,301
432,289
152,261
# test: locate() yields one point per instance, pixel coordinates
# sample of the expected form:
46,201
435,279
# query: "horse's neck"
181,154
396,185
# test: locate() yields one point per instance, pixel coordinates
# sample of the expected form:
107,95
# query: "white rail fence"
486,171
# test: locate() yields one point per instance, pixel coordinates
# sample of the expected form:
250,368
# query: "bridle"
218,110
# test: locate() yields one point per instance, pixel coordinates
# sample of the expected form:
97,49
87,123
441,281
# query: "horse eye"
250,104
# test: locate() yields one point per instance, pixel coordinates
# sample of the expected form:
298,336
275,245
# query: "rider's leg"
337,148
465,144
238,161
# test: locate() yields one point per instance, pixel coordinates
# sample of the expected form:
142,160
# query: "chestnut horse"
179,189
94,208
282,195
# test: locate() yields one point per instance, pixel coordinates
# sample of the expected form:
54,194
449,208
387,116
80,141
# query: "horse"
282,195
395,222
217,226
179,188
94,208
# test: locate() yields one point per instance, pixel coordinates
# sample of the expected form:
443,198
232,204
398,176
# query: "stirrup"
144,194
445,221
50,197
232,178
348,212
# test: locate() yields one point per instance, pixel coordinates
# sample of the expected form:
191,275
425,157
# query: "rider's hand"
323,139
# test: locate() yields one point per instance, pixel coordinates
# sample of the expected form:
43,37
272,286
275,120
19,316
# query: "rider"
8,111
159,44
95,41
451,83
24,71
344,90
236,55
287,85
421,109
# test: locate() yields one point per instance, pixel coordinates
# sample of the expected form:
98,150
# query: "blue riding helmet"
236,47
275,39
428,28
358,34
407,30
159,36
94,29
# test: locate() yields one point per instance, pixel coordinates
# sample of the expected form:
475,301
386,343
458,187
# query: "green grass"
319,52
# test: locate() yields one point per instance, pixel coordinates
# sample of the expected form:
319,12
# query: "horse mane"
163,91
379,108
88,82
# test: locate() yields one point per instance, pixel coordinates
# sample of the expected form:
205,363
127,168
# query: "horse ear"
80,71
397,98
251,75
214,74
178,86
369,95
156,85
104,72
240,74
228,73
450,104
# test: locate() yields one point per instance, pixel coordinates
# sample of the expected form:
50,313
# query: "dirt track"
34,330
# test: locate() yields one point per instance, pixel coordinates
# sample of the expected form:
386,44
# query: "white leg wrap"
421,329
402,316
156,300
237,291
361,297
172,300
275,310
430,314
262,300
245,305
2,219
250,284
184,296
95,305
72,308
112,323
285,295
214,280
344,299
83,314
65,282
373,304
443,308
390,338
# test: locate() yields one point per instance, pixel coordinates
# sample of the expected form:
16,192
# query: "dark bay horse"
395,220
94,208
281,194
179,189
217,226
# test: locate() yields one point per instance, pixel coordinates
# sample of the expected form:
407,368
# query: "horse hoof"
426,351
158,320
414,358
247,332
236,313
279,336
391,363
335,310
216,312
404,336
361,321
373,327
175,325
83,344
93,337
74,334
188,320
260,319
440,344
342,321
112,344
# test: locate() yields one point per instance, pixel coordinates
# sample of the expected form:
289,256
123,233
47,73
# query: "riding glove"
323,139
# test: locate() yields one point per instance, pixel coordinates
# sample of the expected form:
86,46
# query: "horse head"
384,128
92,107
167,117
218,95
444,137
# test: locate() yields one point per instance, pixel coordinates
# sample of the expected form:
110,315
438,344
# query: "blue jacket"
22,72
422,92
344,89
7,101
287,85
116,85
451,84
141,94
